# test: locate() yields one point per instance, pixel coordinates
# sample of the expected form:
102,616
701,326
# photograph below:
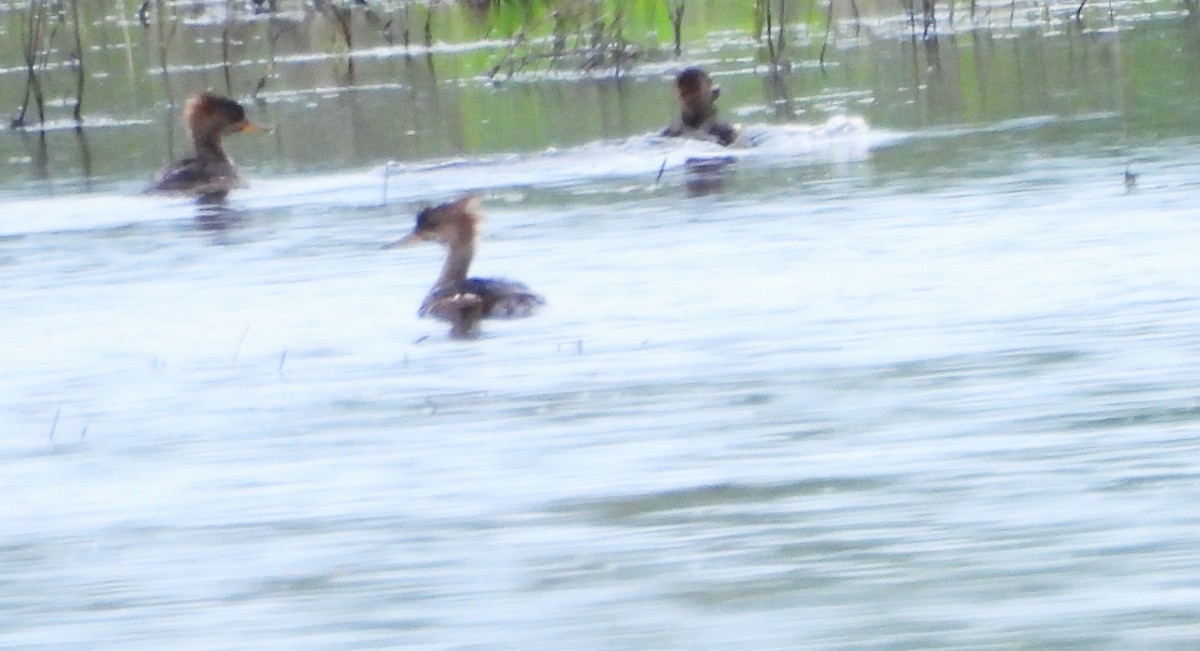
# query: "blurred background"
917,370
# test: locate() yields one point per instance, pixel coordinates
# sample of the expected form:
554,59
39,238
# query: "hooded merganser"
698,111
208,172
455,298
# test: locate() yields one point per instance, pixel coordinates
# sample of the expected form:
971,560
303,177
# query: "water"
894,385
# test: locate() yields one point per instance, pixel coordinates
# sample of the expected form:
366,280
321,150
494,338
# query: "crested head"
209,113
455,221
695,82
697,97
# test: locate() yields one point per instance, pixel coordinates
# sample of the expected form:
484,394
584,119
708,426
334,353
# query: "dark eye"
423,219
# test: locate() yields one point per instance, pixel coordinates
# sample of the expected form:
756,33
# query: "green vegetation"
607,37
496,39
348,84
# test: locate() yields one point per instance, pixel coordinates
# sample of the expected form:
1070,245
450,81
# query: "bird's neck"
697,117
208,147
458,259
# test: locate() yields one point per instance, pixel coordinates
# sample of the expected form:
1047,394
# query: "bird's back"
195,176
464,303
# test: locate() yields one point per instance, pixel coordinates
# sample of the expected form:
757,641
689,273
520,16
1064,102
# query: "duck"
208,173
455,298
697,97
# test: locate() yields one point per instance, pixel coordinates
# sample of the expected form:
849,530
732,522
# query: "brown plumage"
455,298
208,172
697,98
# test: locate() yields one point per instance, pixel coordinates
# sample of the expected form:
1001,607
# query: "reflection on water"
416,103
916,371
707,175
217,218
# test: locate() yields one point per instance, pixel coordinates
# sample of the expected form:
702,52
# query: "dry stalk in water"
31,41
78,60
677,24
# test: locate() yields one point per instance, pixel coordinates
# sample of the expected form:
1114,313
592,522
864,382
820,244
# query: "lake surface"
918,371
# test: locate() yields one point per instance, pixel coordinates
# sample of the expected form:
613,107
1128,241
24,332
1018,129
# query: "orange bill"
411,238
246,126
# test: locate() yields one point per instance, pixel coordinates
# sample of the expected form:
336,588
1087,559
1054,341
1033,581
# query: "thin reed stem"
80,72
